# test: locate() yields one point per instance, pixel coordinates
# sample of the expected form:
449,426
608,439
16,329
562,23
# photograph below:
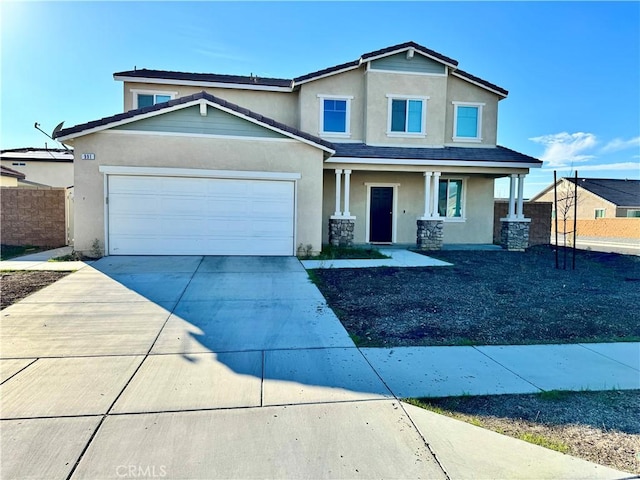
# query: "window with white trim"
147,98
633,213
467,121
599,213
407,115
450,201
335,113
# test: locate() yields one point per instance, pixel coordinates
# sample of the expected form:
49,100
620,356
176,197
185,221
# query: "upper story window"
146,98
467,122
600,213
450,198
407,115
335,113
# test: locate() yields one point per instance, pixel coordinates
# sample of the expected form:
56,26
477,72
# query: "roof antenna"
55,130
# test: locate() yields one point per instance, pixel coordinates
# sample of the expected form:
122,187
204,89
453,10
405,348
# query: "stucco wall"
478,205
33,216
346,84
380,84
8,181
282,107
462,91
188,152
54,174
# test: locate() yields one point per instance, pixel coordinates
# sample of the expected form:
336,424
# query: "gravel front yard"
489,298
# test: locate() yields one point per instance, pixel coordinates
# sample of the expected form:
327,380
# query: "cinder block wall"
538,212
605,227
32,216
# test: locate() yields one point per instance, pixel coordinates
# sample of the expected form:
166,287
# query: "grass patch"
12,251
313,277
330,252
545,442
71,257
554,395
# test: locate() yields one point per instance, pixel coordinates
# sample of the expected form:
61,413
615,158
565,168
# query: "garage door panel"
200,216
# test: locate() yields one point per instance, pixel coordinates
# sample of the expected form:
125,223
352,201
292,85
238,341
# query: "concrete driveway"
218,367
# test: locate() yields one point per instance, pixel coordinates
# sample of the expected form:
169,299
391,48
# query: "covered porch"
422,202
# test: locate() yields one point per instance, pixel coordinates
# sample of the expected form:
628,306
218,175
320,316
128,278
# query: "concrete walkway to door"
219,367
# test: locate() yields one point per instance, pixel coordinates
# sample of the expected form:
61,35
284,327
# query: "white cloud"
564,149
618,144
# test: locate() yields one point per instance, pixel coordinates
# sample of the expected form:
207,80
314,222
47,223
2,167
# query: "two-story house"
396,147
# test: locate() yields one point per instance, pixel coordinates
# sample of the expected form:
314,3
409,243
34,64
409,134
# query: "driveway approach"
216,367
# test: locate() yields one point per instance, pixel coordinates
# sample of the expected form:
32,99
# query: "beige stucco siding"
462,91
282,107
478,206
8,181
54,174
143,150
380,84
346,84
587,202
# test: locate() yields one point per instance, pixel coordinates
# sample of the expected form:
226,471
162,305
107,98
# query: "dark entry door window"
381,220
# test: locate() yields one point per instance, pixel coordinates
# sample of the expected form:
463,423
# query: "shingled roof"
132,114
463,154
205,77
10,172
620,192
285,84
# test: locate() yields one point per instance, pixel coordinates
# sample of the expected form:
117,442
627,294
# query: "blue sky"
572,69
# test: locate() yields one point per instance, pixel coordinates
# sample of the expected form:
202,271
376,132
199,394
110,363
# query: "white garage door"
154,215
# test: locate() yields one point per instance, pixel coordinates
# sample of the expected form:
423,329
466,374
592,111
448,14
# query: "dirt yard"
15,286
489,298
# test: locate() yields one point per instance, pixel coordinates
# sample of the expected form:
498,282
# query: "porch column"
347,185
520,211
436,190
512,196
337,212
427,194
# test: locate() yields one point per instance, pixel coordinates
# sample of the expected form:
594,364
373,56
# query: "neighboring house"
10,177
606,207
598,197
396,147
43,166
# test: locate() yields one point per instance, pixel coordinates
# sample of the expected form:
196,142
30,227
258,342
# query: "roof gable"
191,121
185,102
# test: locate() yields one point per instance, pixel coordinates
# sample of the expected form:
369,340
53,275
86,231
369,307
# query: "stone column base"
429,234
514,234
341,231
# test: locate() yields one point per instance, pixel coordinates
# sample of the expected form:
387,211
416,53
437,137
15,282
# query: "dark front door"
381,214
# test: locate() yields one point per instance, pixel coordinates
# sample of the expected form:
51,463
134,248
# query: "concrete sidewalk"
40,261
234,367
399,257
